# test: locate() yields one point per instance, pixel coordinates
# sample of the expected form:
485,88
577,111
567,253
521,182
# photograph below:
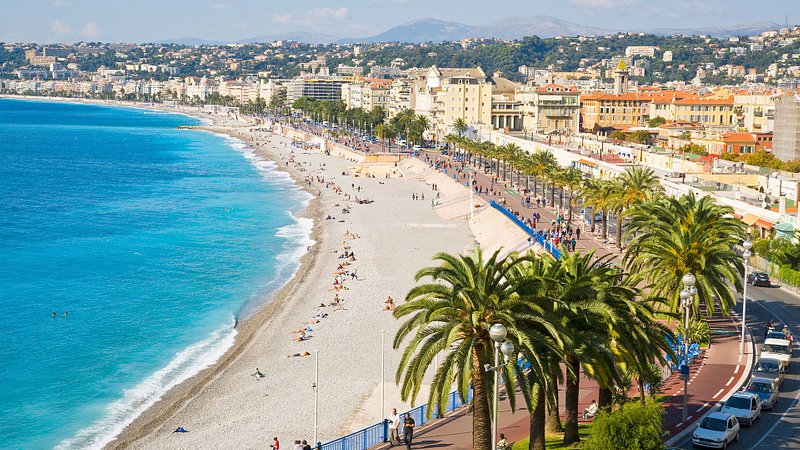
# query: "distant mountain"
417,31
435,30
298,36
190,41
542,26
749,29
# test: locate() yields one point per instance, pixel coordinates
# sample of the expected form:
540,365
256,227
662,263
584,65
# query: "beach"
227,406
334,307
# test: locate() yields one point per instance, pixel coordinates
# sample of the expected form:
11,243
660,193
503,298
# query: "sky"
137,21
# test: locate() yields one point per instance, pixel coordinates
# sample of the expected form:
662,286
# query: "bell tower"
621,77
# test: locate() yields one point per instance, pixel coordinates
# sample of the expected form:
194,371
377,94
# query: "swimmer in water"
53,315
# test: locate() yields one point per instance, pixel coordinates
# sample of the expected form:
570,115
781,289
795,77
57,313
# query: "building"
755,112
367,94
640,50
318,88
667,57
786,143
709,112
619,111
446,94
506,107
550,109
621,77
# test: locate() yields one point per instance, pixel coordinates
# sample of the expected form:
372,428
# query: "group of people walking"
394,429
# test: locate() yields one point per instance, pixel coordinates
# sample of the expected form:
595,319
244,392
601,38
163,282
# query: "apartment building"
318,88
786,143
710,112
550,109
367,94
446,94
755,112
618,111
506,107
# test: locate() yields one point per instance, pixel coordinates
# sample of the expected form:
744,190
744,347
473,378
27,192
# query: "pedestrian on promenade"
305,445
408,431
298,445
578,233
394,426
276,444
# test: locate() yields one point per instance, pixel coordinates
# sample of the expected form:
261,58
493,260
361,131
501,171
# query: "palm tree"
572,179
542,162
634,186
453,314
674,236
460,126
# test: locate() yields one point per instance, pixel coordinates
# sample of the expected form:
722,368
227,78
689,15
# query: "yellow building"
618,111
709,112
447,94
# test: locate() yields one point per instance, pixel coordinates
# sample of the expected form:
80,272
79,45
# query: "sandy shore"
225,406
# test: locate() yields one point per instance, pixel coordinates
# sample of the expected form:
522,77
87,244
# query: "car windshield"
738,403
760,387
766,367
776,335
714,424
785,349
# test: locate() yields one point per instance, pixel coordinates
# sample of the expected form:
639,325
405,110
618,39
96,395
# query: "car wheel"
724,445
737,437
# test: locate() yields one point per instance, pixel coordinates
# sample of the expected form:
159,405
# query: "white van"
779,349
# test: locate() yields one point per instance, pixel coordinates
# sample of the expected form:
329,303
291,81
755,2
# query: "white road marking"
717,394
736,370
702,407
730,381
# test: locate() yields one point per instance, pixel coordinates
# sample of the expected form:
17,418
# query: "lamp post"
498,334
383,378
746,255
686,299
316,392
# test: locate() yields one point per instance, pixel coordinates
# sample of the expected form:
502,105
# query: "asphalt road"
779,428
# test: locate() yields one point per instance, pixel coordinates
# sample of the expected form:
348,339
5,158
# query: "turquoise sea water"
153,239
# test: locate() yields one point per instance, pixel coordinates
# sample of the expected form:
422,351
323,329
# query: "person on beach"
408,431
305,445
394,427
298,445
258,374
276,445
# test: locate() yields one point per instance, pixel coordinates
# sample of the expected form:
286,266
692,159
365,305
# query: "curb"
743,379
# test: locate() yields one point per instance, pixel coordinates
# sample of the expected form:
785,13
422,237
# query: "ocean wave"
136,400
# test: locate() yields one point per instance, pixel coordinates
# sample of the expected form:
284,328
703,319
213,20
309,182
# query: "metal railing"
533,234
379,433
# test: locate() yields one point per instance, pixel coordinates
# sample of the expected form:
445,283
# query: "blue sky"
230,20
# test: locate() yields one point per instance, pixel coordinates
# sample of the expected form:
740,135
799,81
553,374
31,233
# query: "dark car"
759,279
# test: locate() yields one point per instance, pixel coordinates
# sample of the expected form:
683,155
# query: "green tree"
674,236
656,122
452,314
460,126
691,147
632,426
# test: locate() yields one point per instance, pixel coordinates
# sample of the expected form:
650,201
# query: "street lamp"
498,334
686,299
746,255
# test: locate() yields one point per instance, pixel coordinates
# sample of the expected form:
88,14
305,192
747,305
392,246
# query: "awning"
765,224
736,215
785,228
750,219
586,162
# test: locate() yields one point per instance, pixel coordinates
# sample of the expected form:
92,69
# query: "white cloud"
601,3
91,31
314,17
60,28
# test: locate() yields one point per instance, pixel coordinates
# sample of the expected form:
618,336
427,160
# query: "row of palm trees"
581,311
606,197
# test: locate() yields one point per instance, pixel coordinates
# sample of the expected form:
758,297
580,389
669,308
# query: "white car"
716,431
779,349
745,406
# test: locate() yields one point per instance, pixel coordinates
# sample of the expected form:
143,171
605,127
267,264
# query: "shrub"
699,331
789,275
632,426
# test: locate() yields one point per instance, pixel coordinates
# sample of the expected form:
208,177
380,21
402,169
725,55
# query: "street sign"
684,369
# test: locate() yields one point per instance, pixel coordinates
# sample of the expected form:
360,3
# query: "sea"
129,249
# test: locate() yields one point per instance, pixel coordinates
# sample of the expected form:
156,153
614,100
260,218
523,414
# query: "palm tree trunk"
569,204
552,194
481,417
553,421
642,398
605,225
605,397
619,231
571,402
537,422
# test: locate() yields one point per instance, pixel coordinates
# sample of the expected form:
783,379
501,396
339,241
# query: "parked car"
769,368
780,349
746,406
717,430
766,389
758,279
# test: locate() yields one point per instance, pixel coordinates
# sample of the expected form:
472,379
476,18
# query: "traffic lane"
779,428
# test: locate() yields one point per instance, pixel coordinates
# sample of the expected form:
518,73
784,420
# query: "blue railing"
379,432
538,237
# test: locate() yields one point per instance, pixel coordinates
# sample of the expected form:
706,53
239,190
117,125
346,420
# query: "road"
779,428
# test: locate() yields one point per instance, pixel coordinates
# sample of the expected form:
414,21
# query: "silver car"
766,389
769,368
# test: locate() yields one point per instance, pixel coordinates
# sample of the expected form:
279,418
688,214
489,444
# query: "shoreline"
413,233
